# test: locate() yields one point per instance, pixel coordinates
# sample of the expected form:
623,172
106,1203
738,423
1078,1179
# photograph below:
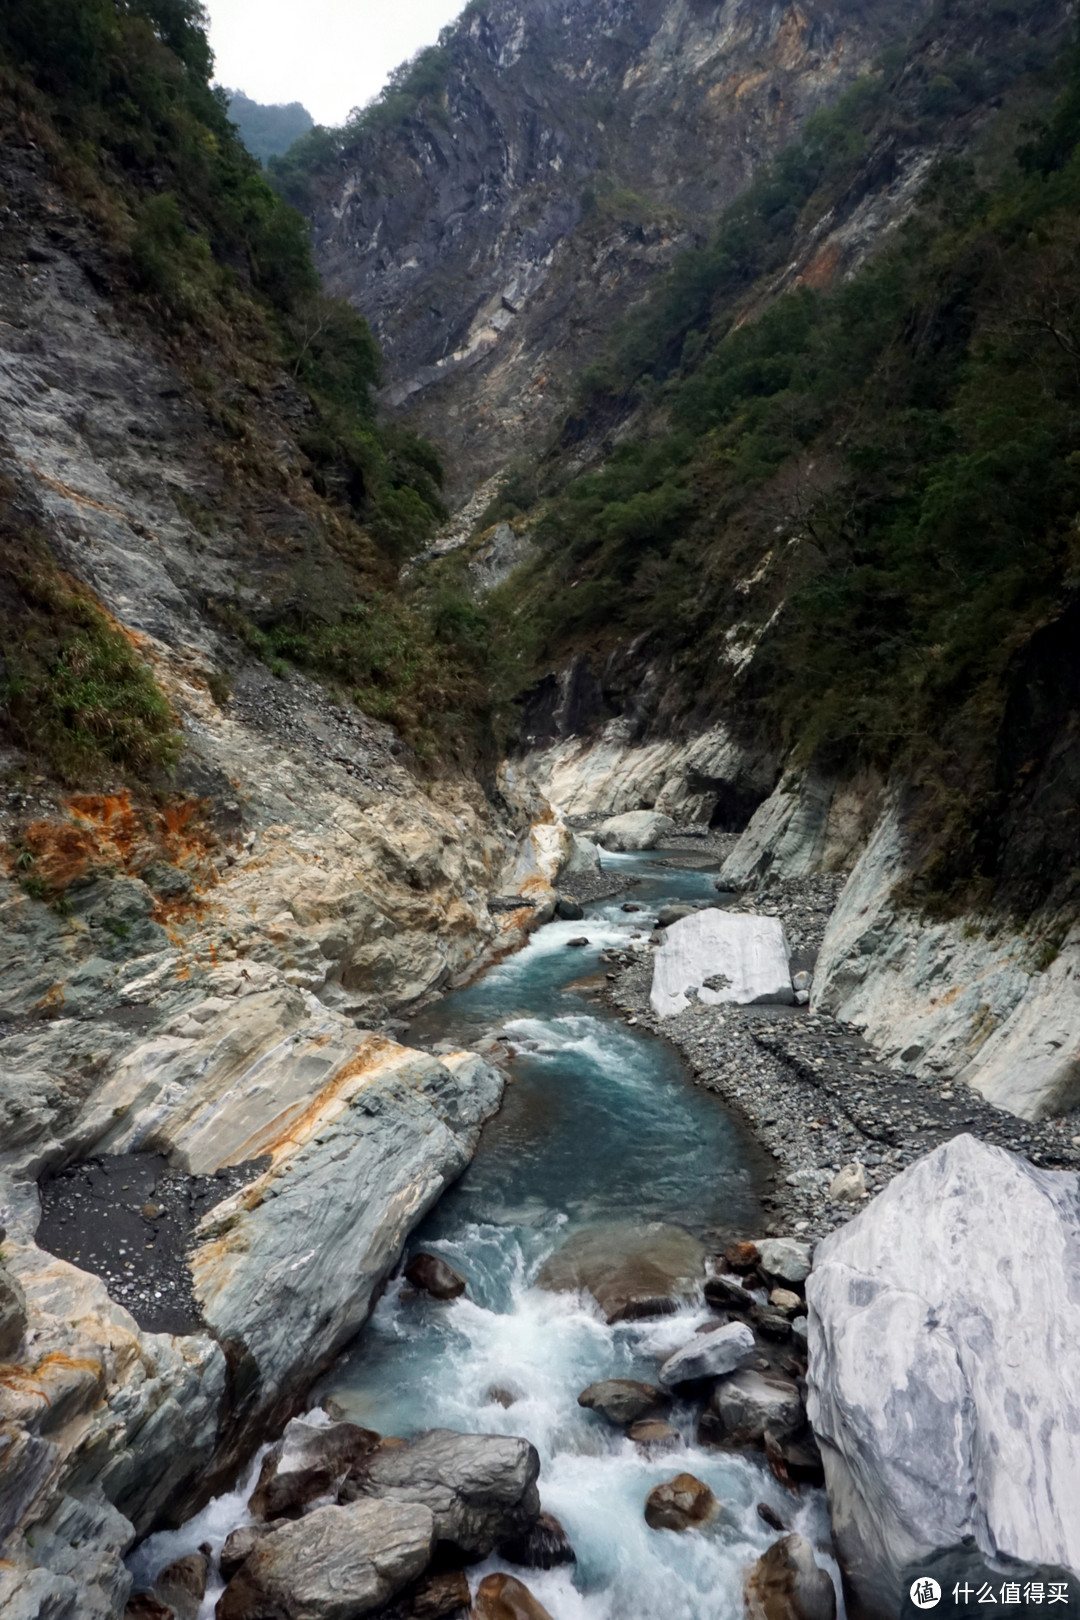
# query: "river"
600,1127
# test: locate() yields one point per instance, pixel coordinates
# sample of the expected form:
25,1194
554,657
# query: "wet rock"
941,1309
433,1597
636,829
576,944
773,1324
632,1272
653,1432
673,914
708,1357
502,1597
12,1314
481,1488
630,905
145,1606
787,1584
741,1256
568,910
725,1291
849,1185
501,1397
771,1517
748,1403
785,1259
544,1545
182,1586
682,1503
335,1562
722,957
801,1456
310,1460
239,1546
624,1400
434,1276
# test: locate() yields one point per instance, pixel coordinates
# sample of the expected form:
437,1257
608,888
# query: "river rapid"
600,1127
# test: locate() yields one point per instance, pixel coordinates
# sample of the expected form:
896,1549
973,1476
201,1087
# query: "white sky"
332,55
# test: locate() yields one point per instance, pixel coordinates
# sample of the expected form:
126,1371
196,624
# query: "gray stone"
310,1460
544,1545
624,1400
631,1271
582,861
848,1185
636,829
787,1583
481,1488
239,1546
673,914
708,1356
335,1564
568,910
749,1402
726,1291
12,1314
943,1380
721,957
785,1259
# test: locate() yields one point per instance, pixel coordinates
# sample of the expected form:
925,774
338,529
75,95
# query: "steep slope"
524,182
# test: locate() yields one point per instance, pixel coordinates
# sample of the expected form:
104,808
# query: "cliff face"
494,235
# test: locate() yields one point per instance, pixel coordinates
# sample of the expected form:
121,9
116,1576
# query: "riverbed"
601,1129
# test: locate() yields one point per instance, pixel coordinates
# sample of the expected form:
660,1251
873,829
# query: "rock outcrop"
944,1378
718,957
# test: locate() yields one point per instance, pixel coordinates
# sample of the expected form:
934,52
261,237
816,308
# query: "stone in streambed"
310,1460
502,1597
568,910
673,914
239,1546
145,1606
771,1517
481,1488
744,1406
787,1584
727,1292
624,1400
849,1185
636,829
337,1563
787,1302
545,1545
653,1432
432,1274
682,1503
632,1272
741,1256
708,1356
721,957
433,1597
576,944
785,1259
182,1586
772,1324
949,1307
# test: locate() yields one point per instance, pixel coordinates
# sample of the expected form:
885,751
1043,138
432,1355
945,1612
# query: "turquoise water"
600,1126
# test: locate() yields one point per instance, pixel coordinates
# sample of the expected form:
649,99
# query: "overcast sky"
332,55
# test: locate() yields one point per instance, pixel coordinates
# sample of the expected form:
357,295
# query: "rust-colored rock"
787,1584
741,1256
682,1503
501,1597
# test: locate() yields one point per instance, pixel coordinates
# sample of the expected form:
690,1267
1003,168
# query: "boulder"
785,1259
310,1460
239,1546
337,1563
544,1545
944,1381
786,1302
708,1355
481,1488
771,1517
745,1405
742,1256
849,1185
631,1271
653,1432
12,1314
443,1596
568,910
583,859
721,957
432,1274
182,1586
787,1584
772,1324
726,1291
624,1400
577,944
637,829
682,1503
145,1606
501,1597
673,914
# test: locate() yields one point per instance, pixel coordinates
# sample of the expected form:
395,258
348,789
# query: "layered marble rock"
719,957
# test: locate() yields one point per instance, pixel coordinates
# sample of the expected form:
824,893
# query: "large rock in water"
637,829
708,1355
721,956
503,1597
631,1271
338,1563
481,1488
310,1460
787,1583
624,1400
944,1371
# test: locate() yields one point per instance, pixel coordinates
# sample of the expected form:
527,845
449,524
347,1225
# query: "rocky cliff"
559,158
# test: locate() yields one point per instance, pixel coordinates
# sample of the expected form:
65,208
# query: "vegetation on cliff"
215,270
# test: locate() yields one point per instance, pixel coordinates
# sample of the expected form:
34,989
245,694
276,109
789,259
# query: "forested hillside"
267,131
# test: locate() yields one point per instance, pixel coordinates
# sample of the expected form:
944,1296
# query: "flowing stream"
600,1126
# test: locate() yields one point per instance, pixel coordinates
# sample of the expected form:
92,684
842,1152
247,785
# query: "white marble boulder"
721,957
944,1380
637,829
